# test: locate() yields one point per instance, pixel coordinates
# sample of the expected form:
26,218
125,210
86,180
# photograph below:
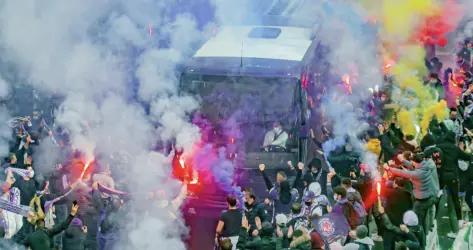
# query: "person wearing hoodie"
449,178
315,174
361,241
265,241
410,233
282,193
425,189
344,161
398,200
388,150
40,239
314,203
74,236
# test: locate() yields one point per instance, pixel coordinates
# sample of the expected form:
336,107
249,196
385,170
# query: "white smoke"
353,51
92,53
5,130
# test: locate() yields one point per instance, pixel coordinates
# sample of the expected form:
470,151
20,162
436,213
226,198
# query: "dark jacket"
344,162
399,200
41,238
451,153
284,194
73,238
387,148
266,241
409,239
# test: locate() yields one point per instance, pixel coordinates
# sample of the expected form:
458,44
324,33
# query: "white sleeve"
281,140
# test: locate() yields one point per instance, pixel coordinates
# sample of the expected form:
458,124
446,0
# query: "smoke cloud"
115,65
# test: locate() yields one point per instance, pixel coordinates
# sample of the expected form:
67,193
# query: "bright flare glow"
182,162
86,166
195,178
378,188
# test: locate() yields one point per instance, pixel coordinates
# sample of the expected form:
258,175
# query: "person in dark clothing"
230,222
254,211
41,238
449,178
410,233
266,241
344,161
27,185
465,52
282,194
387,148
315,173
398,201
74,236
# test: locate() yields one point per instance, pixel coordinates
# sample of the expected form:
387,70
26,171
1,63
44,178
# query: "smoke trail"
353,53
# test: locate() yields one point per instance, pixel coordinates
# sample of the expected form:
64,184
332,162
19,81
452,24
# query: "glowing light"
195,178
305,81
378,188
182,163
232,140
86,166
347,82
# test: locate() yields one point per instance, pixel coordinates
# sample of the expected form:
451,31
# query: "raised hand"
262,167
74,209
300,166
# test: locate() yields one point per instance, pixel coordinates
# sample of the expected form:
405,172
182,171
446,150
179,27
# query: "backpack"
360,210
352,215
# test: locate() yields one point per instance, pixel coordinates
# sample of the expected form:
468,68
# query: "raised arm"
300,167
267,181
63,225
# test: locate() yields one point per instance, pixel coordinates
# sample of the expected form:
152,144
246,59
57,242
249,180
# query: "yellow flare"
406,120
439,111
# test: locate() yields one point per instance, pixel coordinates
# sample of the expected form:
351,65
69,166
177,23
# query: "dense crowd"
334,201
74,205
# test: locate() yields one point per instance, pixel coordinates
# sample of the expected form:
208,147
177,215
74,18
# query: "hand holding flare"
378,190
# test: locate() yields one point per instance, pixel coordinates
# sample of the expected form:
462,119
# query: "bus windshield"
253,103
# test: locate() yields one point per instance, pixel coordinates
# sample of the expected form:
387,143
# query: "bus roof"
261,42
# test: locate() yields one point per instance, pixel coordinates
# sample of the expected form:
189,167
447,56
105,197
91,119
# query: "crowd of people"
72,206
333,201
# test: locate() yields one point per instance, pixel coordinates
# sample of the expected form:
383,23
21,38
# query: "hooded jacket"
421,178
265,241
410,239
73,238
450,156
283,194
41,238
